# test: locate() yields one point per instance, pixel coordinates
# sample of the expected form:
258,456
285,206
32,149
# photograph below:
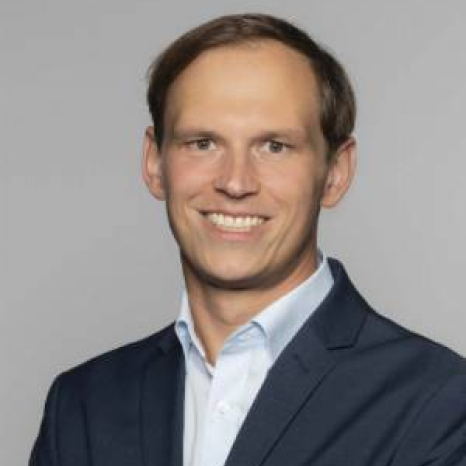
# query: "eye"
276,147
202,144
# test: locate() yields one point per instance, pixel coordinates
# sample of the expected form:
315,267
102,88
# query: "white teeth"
228,222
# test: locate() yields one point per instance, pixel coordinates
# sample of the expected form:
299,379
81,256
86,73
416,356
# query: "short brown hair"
338,106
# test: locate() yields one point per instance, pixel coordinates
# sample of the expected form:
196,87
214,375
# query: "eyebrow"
282,134
187,133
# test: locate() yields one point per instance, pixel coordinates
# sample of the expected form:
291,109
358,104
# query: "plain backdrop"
87,260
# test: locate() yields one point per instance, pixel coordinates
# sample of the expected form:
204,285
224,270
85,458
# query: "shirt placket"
223,409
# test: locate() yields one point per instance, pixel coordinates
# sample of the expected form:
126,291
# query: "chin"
235,282
228,278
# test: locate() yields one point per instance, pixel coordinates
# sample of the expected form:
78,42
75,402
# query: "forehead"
256,79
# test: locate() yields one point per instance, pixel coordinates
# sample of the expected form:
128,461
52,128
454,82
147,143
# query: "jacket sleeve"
438,436
45,450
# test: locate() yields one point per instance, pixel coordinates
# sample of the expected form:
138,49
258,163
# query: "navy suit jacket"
351,389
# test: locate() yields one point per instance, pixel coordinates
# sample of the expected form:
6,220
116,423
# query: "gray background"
87,261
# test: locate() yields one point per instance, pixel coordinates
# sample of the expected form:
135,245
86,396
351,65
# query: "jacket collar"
340,317
162,403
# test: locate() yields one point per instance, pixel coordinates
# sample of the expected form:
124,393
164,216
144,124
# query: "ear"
340,173
152,165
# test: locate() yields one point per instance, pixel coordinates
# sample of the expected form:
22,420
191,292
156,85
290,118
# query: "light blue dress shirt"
217,399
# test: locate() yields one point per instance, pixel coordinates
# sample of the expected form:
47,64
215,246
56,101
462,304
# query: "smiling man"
274,359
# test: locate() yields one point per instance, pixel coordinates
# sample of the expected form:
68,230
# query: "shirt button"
223,407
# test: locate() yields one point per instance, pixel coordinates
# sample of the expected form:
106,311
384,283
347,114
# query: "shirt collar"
282,319
184,328
279,321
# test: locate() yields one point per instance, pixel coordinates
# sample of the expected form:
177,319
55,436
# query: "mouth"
234,223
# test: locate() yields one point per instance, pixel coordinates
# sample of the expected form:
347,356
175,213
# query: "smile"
237,223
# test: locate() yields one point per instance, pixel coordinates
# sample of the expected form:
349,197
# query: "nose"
237,177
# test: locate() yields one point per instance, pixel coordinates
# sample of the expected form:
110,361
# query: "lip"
234,213
236,236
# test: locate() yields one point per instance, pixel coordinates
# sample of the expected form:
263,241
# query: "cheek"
184,178
298,187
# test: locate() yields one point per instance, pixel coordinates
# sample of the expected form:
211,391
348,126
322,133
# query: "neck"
217,311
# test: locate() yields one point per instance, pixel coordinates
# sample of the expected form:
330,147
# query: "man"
275,359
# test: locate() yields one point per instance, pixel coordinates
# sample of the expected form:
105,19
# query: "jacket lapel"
300,370
288,385
162,402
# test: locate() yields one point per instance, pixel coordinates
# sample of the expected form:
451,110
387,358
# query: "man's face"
242,166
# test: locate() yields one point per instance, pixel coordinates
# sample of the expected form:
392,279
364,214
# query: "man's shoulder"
397,347
429,379
122,364
372,335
